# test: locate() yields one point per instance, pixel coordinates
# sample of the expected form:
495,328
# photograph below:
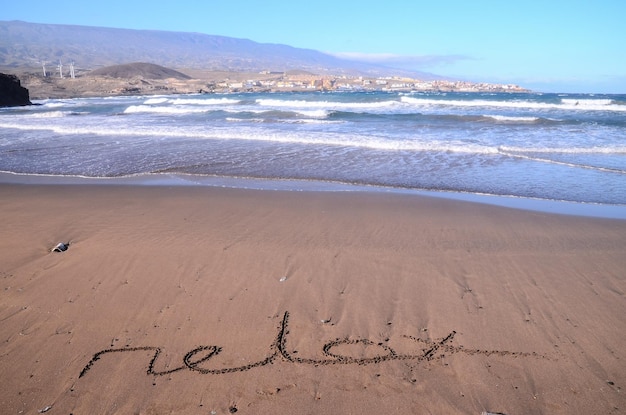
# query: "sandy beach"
199,300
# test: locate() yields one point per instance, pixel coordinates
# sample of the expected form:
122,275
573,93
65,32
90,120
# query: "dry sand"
304,303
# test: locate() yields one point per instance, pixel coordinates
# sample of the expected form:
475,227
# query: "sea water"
541,146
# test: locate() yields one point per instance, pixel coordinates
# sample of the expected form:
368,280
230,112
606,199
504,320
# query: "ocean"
557,147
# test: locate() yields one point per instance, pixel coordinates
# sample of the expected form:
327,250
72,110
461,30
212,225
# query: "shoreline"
560,207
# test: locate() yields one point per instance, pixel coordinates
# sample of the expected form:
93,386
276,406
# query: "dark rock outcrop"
12,93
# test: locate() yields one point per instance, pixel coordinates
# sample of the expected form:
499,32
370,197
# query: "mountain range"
28,45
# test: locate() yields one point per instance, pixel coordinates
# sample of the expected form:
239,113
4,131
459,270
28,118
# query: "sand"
198,300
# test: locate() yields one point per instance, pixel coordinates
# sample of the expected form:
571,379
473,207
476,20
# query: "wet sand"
195,300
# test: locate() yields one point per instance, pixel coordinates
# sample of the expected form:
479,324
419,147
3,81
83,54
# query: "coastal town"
150,79
308,82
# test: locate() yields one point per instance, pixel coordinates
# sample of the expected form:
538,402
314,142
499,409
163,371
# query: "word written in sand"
195,358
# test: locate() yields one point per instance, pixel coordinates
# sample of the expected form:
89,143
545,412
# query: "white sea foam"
563,163
343,140
314,113
285,120
504,118
133,109
154,101
232,119
609,149
316,121
55,104
254,134
250,133
244,110
48,114
201,101
323,104
566,104
586,102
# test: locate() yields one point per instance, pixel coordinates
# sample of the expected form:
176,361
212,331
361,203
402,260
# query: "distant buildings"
307,82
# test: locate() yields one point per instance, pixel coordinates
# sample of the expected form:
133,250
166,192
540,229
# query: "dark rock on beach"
12,93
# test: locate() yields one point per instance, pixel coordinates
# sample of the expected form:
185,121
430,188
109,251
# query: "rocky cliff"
12,93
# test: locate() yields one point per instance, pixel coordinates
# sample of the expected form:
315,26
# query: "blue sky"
545,45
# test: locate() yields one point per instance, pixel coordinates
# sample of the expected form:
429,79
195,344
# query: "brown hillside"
138,69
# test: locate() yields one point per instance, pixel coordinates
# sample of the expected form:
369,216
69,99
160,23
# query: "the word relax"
195,358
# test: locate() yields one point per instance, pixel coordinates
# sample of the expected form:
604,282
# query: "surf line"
278,349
